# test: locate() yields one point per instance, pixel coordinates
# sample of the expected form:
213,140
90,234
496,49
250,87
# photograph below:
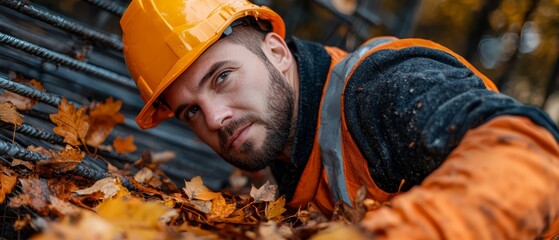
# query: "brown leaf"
195,189
63,161
102,119
265,193
8,180
124,145
146,175
274,209
9,114
70,123
220,209
202,205
20,102
144,189
17,162
38,193
62,207
108,186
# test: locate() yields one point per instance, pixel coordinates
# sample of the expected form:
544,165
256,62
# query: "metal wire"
29,92
65,60
109,6
63,23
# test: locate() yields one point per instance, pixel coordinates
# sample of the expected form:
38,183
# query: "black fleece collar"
313,63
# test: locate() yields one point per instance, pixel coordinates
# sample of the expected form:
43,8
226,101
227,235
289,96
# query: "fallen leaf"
17,162
102,119
144,189
70,123
335,230
193,232
270,230
138,219
20,223
8,180
274,209
146,175
220,209
38,193
62,161
265,193
202,205
62,207
85,225
124,145
195,189
9,114
20,102
108,186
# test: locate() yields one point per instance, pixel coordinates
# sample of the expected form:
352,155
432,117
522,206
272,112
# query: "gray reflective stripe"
330,132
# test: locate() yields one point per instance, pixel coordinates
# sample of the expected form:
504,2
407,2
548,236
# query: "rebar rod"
34,132
29,92
63,23
109,6
15,151
65,60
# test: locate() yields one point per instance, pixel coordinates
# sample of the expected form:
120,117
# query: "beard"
277,124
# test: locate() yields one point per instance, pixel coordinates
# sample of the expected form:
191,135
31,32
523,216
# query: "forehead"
220,51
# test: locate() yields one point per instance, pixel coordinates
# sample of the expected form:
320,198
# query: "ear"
277,51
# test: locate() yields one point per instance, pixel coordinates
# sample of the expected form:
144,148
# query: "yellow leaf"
124,145
220,209
138,219
8,180
70,123
85,226
195,189
266,192
9,114
274,209
102,120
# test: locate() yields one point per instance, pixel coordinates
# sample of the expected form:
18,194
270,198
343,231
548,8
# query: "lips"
237,138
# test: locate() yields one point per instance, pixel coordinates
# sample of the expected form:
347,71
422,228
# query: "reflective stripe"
329,136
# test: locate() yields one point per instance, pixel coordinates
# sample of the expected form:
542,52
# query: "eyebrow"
202,82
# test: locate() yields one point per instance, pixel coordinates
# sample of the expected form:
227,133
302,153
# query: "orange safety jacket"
518,149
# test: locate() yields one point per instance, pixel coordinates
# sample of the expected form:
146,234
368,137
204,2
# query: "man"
395,116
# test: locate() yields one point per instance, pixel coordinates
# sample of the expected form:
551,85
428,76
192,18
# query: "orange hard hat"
162,38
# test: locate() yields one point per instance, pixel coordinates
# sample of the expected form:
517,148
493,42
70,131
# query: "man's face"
238,104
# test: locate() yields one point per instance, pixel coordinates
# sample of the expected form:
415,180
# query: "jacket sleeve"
500,182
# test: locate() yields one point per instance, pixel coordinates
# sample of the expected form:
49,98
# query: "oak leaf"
265,193
195,189
8,180
9,114
124,145
274,209
64,160
71,123
102,119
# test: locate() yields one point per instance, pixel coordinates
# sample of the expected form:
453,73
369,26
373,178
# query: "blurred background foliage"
514,42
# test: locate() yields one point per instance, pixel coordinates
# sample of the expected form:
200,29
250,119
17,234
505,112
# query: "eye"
222,77
191,112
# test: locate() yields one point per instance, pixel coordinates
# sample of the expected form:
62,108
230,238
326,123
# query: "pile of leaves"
56,203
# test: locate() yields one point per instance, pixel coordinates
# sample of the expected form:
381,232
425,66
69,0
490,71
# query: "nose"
216,114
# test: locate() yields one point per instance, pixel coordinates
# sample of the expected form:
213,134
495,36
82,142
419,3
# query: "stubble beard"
277,124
